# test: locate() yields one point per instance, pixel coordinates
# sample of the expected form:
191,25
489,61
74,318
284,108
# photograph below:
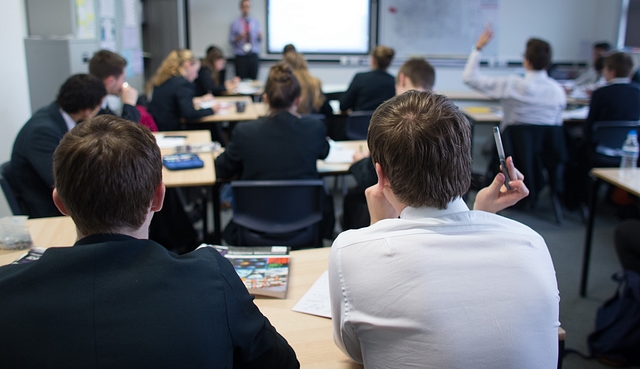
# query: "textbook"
32,255
264,270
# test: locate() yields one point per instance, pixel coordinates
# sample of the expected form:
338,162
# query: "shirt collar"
67,119
536,74
619,80
456,206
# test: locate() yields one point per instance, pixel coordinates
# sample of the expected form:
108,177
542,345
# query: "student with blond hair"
312,100
173,93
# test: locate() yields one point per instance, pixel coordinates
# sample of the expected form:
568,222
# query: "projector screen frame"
372,36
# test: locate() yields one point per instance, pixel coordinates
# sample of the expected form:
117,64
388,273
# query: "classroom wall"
571,26
15,108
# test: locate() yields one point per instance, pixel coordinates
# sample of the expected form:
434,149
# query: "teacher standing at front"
245,36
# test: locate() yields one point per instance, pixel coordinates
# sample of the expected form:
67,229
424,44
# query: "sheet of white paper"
316,300
340,156
168,142
207,104
580,113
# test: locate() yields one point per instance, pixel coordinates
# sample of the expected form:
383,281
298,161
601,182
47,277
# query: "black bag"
616,339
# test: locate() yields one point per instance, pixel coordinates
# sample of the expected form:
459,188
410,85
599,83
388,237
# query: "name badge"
246,47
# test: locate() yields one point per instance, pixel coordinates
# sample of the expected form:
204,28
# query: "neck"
77,116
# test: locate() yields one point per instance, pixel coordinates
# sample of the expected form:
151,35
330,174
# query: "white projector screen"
319,27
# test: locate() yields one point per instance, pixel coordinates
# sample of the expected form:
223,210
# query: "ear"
158,198
265,98
57,200
109,81
383,180
296,102
402,79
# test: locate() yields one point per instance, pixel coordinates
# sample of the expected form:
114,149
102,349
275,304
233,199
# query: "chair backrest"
358,125
537,149
608,137
9,193
281,212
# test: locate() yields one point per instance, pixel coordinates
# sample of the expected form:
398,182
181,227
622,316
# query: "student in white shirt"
431,284
534,98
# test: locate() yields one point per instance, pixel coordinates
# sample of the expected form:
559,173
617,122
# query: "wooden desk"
331,169
310,336
628,180
205,176
492,114
261,108
228,112
467,95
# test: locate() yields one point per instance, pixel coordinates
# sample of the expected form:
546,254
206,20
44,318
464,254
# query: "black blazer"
172,101
32,160
368,90
277,147
205,84
619,101
112,301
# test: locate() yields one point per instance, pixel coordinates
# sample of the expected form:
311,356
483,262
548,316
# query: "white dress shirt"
533,99
67,120
447,288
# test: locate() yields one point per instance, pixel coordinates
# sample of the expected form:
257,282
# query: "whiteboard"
436,27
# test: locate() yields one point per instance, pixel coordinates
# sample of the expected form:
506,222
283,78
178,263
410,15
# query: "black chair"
12,198
539,152
608,137
282,212
358,125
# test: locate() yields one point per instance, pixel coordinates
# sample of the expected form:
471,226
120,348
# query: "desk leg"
588,237
217,232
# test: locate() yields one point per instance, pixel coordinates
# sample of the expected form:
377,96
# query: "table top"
326,169
190,177
310,336
492,114
227,110
627,179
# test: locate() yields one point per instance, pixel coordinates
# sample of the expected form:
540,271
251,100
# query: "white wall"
15,109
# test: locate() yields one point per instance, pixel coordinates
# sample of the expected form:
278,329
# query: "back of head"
621,63
538,54
420,73
172,66
603,46
105,63
106,170
79,92
213,53
282,87
295,60
423,143
383,56
288,48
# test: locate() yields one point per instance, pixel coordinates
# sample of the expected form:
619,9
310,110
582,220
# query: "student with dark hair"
369,89
415,74
430,283
281,145
590,77
620,99
211,76
79,98
533,99
117,299
288,48
109,68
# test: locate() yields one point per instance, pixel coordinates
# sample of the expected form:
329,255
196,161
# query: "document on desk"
339,156
580,113
316,300
169,142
